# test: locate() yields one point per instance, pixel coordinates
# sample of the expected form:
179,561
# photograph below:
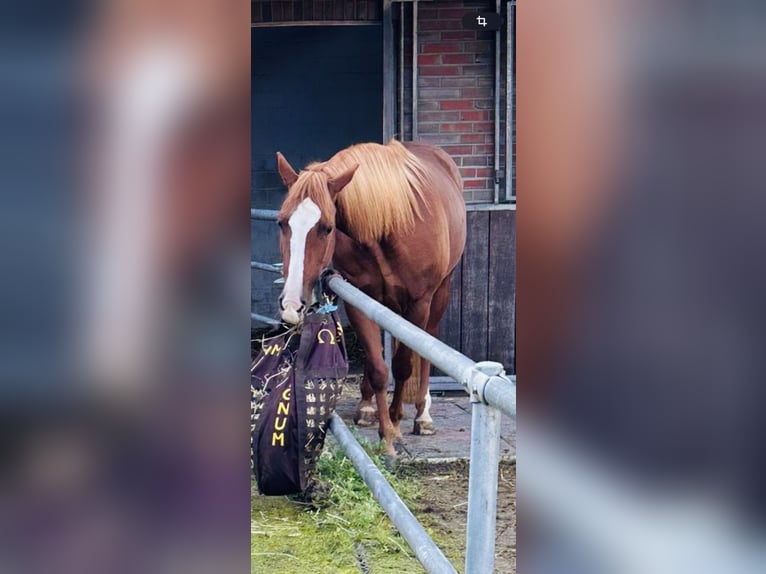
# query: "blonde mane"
312,185
383,198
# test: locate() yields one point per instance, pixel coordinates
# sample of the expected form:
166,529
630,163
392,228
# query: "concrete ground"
452,418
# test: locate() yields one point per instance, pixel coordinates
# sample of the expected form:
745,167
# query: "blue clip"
327,308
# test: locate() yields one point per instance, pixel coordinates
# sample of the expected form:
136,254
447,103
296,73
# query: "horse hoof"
365,417
424,428
390,461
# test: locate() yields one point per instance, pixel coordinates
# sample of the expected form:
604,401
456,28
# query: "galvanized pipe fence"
492,393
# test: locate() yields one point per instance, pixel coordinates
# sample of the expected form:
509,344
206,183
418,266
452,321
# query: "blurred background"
124,154
640,287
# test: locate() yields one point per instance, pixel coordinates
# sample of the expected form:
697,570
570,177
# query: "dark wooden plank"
502,289
450,325
475,287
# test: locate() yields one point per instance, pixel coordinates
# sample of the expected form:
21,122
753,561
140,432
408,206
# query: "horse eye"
324,230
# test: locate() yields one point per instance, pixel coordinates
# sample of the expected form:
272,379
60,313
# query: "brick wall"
456,90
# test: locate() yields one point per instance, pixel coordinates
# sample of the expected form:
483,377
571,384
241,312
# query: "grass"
338,528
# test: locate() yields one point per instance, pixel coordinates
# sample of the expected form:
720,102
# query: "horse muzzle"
292,312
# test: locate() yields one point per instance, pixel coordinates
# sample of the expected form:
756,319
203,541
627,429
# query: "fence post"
482,479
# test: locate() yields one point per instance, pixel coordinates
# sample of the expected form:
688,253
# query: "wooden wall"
480,320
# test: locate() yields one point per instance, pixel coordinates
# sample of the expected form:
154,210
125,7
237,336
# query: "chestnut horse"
391,218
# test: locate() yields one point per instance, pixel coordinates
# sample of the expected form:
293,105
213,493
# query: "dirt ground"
443,507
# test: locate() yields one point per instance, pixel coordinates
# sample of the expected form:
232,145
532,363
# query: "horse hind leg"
424,424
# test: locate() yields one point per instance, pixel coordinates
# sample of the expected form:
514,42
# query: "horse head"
307,232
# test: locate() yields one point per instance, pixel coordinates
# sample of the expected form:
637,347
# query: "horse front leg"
401,365
366,413
376,376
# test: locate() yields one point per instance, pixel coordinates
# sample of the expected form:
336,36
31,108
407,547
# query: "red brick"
483,127
439,71
427,106
429,59
483,148
468,171
457,58
458,149
474,116
456,105
484,172
456,127
440,47
472,138
474,184
460,35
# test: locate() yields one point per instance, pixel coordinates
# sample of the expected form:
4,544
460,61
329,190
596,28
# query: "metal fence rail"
427,552
491,393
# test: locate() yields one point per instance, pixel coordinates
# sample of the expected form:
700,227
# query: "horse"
392,220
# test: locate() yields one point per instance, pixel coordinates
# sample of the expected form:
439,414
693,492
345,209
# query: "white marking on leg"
426,416
301,221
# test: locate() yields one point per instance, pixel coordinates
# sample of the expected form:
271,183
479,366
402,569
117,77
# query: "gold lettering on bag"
331,339
283,408
271,350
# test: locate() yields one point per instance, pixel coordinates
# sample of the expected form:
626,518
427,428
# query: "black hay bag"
295,382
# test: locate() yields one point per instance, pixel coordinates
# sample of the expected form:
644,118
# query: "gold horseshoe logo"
331,339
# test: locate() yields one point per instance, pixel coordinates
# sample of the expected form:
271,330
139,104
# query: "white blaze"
301,221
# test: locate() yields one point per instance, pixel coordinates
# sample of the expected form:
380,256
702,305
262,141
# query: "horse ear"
337,183
286,171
